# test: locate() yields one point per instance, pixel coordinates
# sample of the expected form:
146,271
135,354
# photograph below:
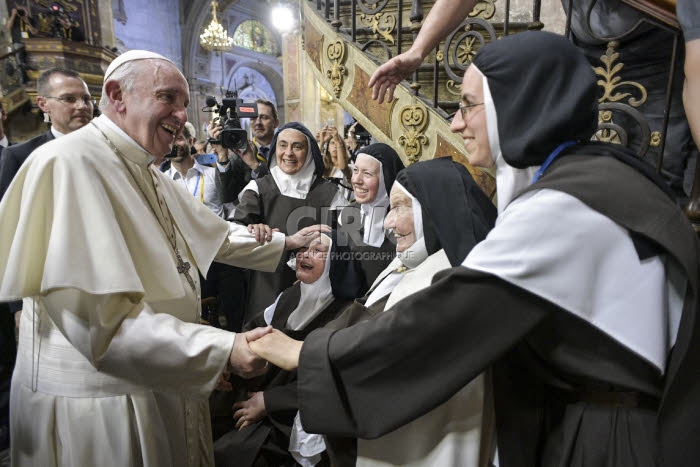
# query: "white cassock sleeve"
123,337
241,249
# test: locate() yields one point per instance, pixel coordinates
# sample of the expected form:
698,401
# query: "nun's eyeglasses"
466,109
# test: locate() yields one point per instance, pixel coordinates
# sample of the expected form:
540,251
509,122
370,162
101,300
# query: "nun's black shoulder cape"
456,212
550,369
534,121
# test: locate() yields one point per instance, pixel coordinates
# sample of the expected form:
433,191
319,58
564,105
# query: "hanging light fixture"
284,16
214,36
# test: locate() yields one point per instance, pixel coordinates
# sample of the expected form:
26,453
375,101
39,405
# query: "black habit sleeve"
282,400
232,182
250,209
371,378
262,170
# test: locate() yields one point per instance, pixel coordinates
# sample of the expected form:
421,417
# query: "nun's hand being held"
305,236
278,349
243,361
262,232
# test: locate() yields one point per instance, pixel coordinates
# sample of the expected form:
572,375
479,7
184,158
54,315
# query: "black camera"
21,12
59,16
230,111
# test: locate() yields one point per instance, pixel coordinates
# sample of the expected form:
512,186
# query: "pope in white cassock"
112,368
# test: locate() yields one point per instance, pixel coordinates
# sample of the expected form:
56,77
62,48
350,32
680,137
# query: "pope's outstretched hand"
305,236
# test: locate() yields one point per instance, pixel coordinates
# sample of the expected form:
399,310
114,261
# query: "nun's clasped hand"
279,349
250,411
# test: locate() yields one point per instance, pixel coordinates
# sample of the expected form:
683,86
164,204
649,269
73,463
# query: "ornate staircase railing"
633,112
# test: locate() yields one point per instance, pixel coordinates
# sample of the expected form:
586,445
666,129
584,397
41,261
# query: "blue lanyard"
196,185
551,157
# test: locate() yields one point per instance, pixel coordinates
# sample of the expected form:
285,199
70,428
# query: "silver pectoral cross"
183,267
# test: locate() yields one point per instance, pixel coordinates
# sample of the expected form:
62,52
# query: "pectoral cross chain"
183,267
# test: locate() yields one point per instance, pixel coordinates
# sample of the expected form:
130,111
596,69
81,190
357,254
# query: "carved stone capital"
413,119
336,55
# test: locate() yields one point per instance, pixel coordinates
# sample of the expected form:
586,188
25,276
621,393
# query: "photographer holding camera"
356,137
187,171
65,28
248,165
24,27
21,26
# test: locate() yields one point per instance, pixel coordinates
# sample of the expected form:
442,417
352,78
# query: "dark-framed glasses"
466,109
72,100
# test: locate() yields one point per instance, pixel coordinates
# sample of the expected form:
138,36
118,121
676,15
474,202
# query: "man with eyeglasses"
243,167
65,100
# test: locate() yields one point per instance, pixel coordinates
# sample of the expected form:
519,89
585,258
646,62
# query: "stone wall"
153,26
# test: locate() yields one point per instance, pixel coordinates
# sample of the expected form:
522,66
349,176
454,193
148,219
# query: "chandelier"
214,37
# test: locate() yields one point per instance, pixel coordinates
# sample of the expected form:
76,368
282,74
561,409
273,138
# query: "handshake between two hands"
249,358
252,351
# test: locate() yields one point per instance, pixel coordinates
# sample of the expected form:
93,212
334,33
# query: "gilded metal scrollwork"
608,131
413,119
611,83
381,24
371,7
460,48
336,54
655,140
612,132
466,50
484,9
615,91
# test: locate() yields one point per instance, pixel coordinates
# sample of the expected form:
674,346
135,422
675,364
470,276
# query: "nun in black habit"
327,283
583,297
434,225
292,196
362,222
